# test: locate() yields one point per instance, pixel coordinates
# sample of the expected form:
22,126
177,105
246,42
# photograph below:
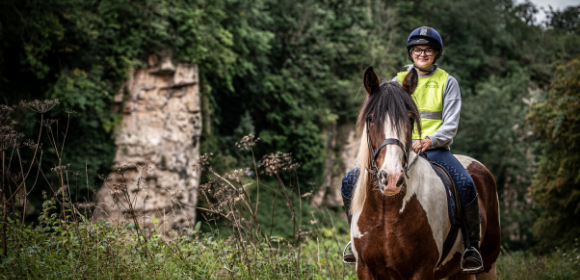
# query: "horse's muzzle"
384,184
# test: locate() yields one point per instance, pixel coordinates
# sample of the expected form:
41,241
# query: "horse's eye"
370,119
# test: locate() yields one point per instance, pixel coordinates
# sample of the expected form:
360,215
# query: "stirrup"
471,270
344,253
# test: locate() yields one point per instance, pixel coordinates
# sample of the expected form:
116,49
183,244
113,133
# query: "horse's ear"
371,80
410,81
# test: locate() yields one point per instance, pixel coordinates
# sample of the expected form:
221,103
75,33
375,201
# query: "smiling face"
423,56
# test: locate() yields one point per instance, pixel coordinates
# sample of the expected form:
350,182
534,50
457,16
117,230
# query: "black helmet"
425,36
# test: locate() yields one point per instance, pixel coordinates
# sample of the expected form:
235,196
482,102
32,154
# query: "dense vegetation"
556,185
288,70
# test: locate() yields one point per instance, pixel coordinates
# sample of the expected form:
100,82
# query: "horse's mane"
388,102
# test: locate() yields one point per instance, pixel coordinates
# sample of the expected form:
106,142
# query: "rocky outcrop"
337,164
157,146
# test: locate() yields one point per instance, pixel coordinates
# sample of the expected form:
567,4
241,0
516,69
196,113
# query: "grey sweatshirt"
443,137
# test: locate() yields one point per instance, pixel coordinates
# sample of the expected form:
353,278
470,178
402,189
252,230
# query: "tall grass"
104,251
560,264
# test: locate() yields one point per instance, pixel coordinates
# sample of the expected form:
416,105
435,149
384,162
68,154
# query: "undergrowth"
560,264
100,250
112,252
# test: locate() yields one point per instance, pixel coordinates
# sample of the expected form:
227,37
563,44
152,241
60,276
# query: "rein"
374,170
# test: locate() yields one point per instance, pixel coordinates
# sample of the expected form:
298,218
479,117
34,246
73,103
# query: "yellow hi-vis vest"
428,97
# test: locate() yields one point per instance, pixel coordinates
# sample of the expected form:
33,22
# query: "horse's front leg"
362,271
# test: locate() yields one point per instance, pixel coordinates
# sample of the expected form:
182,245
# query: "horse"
399,211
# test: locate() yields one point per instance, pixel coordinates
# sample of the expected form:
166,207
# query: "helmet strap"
430,70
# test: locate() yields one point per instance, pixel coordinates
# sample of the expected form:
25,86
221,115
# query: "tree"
556,186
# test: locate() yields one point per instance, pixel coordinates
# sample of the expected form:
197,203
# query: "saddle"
454,208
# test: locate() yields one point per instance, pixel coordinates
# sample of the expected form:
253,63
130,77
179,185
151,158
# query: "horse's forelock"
390,102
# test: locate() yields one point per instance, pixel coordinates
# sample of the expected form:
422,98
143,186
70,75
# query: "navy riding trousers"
442,156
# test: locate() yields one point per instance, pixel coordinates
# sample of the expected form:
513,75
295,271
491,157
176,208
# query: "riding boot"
471,261
348,257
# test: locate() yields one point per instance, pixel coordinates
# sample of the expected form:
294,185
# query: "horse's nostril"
383,177
401,181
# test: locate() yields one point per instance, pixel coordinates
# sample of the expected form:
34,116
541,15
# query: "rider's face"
423,56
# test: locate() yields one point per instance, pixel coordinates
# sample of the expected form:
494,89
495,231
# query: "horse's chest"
399,240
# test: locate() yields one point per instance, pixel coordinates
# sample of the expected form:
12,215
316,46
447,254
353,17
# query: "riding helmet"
425,35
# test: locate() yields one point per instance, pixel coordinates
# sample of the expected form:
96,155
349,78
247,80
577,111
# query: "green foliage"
301,77
493,128
556,186
275,217
81,52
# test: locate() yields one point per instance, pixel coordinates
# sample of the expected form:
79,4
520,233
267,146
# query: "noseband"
374,170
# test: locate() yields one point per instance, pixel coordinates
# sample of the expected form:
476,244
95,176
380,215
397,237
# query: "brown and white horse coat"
398,232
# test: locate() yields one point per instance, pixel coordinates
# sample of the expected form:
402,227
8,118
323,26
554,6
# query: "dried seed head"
247,142
273,163
40,106
204,160
9,138
29,143
60,167
48,122
5,112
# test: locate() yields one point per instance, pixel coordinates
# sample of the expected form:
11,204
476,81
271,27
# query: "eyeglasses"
418,51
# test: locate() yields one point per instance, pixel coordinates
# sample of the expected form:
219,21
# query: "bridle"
374,170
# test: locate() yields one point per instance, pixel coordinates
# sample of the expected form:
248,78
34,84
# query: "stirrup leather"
471,270
344,253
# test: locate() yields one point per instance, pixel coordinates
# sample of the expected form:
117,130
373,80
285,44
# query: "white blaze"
392,163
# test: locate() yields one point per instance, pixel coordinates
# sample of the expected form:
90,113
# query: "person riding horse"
438,99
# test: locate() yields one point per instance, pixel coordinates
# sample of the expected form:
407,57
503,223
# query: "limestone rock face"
157,146
337,164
